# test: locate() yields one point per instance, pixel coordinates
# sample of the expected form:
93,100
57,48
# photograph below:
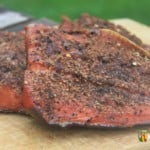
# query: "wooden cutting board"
19,132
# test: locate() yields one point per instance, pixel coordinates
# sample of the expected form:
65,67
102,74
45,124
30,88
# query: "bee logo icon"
143,135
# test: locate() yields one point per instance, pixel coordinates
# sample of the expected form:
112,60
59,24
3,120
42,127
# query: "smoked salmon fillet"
79,77
12,66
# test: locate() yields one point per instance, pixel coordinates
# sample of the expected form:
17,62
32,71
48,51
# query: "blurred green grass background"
53,9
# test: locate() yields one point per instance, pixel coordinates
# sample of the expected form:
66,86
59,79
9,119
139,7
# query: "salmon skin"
12,66
75,77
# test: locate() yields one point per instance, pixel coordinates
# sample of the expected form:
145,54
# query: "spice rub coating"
77,77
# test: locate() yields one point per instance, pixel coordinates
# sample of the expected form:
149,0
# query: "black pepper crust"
87,76
12,60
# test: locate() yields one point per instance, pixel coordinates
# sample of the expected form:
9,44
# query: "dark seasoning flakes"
12,60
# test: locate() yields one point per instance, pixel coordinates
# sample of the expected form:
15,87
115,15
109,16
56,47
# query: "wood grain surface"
19,132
